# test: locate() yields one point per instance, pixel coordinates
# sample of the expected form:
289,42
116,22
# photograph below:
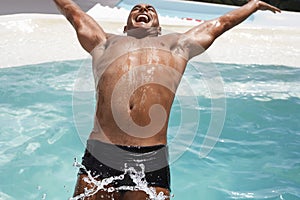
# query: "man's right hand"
264,6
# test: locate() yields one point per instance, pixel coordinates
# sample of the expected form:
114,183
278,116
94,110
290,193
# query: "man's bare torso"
136,80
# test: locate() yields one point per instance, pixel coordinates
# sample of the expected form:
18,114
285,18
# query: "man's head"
142,16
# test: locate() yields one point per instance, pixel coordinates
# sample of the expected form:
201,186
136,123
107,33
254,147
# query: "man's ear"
125,29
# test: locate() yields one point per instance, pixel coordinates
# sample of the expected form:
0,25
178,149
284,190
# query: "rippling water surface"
256,156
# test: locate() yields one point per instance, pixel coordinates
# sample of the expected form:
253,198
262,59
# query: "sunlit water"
256,157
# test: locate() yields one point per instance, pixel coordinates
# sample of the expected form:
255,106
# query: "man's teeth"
143,18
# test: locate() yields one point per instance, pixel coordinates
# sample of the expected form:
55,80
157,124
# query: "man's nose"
142,9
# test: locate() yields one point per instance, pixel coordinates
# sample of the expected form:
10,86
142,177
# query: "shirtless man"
136,78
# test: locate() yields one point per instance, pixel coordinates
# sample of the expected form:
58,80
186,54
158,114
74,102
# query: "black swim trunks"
106,160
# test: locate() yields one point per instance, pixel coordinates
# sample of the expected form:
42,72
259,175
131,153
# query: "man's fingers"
276,10
266,6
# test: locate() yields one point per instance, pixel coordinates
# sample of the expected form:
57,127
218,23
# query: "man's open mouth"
142,18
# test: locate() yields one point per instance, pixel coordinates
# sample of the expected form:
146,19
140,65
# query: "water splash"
44,196
137,176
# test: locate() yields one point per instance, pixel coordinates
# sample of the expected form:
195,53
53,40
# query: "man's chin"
142,25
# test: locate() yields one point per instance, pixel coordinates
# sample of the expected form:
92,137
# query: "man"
136,78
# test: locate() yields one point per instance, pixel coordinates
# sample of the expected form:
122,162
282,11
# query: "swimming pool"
256,156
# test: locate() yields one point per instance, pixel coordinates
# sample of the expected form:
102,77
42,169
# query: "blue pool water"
256,156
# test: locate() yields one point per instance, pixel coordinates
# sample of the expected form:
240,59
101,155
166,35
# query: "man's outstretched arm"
204,34
89,33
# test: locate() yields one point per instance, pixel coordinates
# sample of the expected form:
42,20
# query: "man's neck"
144,32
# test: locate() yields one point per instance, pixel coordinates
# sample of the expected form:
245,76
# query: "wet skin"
134,73
130,67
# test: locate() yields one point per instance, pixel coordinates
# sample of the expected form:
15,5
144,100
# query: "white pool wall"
35,38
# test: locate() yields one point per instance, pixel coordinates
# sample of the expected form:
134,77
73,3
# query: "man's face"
142,16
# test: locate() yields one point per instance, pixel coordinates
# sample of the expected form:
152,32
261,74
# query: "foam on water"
137,176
